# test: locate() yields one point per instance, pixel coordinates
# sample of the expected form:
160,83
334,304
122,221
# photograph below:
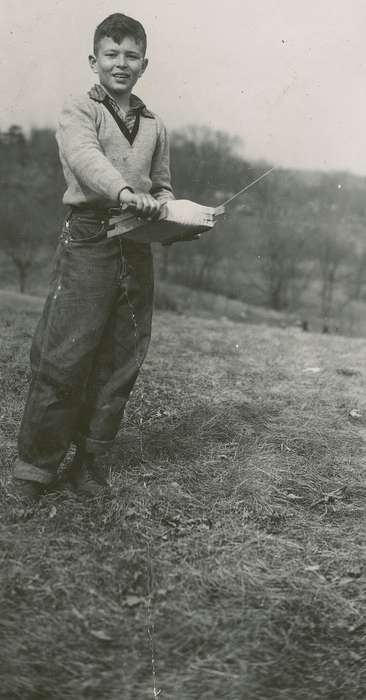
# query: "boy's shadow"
204,430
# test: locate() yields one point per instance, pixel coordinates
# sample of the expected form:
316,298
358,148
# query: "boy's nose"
121,60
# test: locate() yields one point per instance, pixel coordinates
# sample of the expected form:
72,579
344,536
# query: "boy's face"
119,66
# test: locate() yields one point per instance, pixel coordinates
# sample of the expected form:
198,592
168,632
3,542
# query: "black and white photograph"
182,350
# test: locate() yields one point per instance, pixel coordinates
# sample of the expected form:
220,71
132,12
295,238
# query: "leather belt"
95,212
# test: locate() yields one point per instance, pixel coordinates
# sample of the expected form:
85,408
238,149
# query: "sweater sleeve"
161,187
79,147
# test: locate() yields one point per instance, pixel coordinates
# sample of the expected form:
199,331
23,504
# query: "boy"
95,328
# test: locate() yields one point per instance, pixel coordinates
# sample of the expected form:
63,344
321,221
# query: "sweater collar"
98,94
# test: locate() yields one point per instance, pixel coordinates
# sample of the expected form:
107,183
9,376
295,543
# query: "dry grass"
233,548
174,297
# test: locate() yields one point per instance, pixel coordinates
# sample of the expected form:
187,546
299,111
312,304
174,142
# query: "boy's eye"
130,56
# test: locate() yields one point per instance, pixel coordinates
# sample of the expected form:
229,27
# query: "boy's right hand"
144,204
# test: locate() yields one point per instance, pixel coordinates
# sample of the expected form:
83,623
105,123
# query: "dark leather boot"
86,476
26,492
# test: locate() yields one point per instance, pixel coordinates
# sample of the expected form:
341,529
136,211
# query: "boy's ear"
93,63
144,66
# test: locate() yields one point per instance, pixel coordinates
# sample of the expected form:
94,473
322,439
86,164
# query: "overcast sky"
287,76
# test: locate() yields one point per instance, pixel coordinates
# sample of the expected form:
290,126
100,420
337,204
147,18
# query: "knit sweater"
98,160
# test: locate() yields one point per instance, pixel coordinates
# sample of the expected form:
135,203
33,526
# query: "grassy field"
230,560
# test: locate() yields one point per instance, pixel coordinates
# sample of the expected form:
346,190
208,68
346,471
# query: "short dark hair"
117,27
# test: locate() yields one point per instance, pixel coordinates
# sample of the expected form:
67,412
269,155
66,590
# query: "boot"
86,477
25,491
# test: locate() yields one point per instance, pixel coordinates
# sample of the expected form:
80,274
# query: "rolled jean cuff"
29,472
91,446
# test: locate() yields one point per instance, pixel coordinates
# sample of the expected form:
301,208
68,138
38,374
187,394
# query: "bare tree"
29,198
334,226
281,241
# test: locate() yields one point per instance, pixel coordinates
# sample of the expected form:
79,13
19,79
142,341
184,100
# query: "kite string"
254,182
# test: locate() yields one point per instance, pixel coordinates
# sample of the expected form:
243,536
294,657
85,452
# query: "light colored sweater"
97,159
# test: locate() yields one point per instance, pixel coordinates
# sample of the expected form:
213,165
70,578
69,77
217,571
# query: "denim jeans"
88,347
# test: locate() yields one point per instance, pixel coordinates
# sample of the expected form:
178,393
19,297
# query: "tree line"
294,236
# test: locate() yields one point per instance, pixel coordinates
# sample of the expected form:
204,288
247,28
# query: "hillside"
230,560
293,242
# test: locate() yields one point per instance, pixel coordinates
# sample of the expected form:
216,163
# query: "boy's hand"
144,204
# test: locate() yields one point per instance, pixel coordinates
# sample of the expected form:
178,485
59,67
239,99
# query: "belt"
95,212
